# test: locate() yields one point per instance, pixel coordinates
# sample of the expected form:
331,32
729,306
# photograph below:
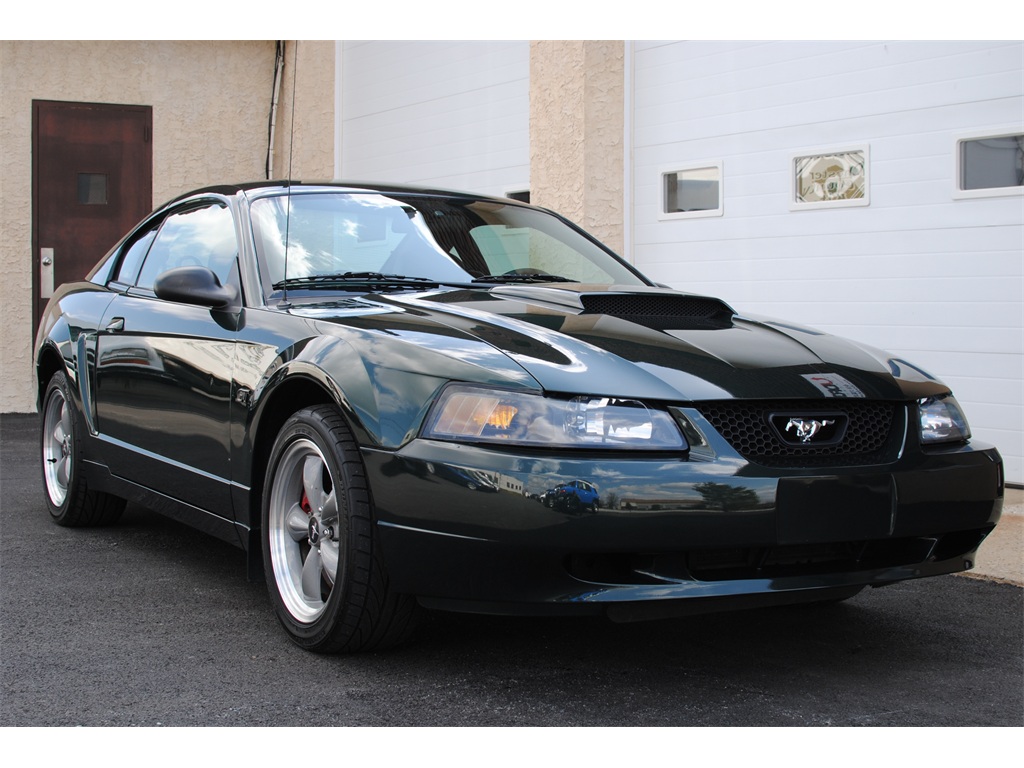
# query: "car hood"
666,345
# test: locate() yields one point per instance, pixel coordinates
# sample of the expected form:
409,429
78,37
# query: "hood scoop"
652,307
661,311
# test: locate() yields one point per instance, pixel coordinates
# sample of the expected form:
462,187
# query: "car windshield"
330,239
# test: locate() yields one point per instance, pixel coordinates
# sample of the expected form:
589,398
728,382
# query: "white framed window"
692,191
833,178
989,164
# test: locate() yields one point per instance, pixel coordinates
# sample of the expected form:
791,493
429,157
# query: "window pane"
992,163
829,178
692,190
92,188
196,237
133,258
421,236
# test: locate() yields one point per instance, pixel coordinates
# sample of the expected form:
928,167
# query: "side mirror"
196,285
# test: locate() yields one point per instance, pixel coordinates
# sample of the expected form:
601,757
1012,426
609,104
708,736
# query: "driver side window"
196,236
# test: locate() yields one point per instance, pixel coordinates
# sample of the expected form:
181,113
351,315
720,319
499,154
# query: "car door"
163,370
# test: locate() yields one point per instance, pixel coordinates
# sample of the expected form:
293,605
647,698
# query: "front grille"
780,561
807,559
869,438
656,310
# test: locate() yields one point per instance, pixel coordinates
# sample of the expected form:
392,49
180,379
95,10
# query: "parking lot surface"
149,623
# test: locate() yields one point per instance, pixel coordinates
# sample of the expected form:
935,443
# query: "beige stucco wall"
309,73
211,104
576,133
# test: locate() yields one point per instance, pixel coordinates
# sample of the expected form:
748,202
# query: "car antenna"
285,304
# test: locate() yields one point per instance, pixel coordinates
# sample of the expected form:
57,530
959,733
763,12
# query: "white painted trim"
972,194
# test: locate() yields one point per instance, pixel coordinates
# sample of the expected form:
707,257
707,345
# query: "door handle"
116,325
45,273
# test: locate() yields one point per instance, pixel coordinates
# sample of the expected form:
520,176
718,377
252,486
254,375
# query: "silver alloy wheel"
304,530
57,447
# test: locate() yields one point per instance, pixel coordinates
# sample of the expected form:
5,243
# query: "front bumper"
466,528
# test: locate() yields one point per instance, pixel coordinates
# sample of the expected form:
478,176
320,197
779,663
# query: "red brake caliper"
305,504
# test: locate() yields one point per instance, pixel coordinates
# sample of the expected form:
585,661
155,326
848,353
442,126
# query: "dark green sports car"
376,390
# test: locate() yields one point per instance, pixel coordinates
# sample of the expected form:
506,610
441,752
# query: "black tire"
69,499
320,555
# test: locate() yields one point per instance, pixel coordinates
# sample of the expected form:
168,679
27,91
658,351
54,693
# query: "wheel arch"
48,362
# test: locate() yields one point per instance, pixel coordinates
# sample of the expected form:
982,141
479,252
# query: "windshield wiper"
347,280
539,278
353,278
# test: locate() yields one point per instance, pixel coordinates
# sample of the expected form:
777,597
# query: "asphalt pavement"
149,623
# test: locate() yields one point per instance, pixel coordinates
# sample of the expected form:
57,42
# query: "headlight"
942,421
475,414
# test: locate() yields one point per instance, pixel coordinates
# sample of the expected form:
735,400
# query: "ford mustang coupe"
395,399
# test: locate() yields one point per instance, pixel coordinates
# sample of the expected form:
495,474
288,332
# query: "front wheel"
320,554
68,497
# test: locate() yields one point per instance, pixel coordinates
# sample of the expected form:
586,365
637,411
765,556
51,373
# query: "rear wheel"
320,554
69,499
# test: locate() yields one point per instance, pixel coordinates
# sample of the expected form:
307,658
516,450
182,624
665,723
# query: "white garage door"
447,114
841,205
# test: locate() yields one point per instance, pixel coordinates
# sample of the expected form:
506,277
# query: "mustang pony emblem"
806,429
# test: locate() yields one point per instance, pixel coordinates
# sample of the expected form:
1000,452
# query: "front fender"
386,379
330,365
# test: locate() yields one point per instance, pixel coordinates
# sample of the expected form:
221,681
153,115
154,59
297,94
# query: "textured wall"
308,150
576,133
211,104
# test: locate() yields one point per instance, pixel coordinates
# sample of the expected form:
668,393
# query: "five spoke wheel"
57,446
304,530
320,553
68,497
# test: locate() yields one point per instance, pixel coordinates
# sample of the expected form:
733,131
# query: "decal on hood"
833,385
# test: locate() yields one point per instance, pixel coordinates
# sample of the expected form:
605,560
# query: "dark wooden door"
92,180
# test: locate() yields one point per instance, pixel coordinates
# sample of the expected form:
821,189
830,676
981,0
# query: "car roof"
341,186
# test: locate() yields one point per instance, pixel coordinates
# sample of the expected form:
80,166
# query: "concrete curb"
1001,556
